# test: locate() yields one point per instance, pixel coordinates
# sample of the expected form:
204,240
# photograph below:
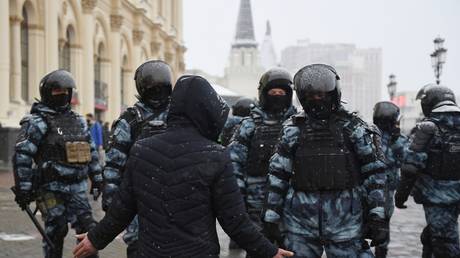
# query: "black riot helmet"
154,83
433,95
275,78
318,90
59,79
243,106
386,116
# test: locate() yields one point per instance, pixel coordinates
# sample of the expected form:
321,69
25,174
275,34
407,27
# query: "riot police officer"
254,141
394,147
241,109
54,156
147,117
432,171
326,163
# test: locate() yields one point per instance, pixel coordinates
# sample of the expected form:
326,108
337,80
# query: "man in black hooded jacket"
178,183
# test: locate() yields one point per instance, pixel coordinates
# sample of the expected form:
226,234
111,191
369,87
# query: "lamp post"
392,86
438,57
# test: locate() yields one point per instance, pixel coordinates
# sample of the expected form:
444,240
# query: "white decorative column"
86,89
36,55
115,86
15,79
4,59
51,37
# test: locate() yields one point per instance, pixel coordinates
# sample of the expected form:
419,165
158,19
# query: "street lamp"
392,86
438,57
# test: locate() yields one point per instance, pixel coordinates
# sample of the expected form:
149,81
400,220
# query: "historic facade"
101,42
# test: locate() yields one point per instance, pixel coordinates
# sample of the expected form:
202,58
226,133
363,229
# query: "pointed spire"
244,36
268,31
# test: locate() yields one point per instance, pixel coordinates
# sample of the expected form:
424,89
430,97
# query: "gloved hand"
272,232
106,201
23,198
400,199
378,230
96,188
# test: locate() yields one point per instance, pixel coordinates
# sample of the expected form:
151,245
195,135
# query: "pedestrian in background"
96,135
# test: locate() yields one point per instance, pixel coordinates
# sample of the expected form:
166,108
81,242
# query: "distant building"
411,110
360,70
243,69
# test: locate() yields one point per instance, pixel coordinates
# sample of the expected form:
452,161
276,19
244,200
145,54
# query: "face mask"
60,100
277,103
157,97
320,109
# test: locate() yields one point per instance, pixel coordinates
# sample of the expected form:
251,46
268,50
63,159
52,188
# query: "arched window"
64,53
122,81
100,87
25,56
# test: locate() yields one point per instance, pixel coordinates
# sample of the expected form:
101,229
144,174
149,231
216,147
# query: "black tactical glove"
272,232
23,198
378,230
96,188
400,199
106,201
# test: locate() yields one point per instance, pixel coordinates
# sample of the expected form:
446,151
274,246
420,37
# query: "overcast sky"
404,29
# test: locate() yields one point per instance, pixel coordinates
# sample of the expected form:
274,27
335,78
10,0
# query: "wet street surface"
18,237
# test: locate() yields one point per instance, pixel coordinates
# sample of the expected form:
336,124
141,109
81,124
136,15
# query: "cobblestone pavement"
405,230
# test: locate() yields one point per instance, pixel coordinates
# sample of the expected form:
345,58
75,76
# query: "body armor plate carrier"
444,154
142,125
263,145
323,161
66,140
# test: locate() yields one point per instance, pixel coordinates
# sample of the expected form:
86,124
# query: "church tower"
267,50
243,69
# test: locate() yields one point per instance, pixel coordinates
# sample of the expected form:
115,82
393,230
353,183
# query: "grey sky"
404,29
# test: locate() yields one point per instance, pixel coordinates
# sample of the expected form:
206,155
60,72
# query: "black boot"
427,252
381,252
131,251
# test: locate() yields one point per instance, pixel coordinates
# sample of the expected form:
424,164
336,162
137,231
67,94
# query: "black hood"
194,99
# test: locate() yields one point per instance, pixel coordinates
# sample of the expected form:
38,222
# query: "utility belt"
50,174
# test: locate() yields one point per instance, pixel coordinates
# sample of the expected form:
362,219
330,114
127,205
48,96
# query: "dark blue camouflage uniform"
229,129
440,198
121,140
60,202
325,220
395,151
252,187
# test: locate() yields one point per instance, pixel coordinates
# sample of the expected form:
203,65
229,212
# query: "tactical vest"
143,125
65,141
262,146
444,154
324,161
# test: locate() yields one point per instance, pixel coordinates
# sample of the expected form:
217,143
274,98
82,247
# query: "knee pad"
59,229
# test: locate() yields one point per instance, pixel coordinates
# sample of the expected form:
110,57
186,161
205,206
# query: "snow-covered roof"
221,90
